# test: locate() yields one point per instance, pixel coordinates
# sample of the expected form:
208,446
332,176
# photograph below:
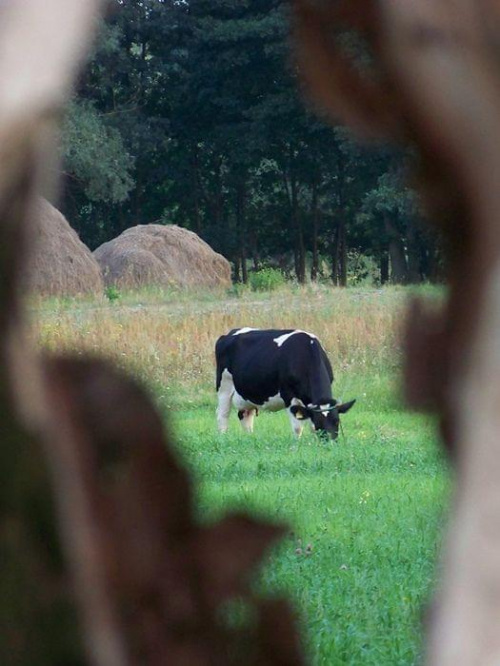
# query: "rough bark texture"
435,87
102,560
37,60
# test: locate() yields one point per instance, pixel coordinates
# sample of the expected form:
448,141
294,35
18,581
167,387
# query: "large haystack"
153,254
61,265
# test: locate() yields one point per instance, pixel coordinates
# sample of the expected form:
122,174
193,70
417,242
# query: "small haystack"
154,254
60,265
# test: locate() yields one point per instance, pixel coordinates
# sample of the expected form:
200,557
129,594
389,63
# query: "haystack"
60,265
154,254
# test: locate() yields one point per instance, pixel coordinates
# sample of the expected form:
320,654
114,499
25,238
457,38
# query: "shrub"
112,294
362,270
237,290
266,279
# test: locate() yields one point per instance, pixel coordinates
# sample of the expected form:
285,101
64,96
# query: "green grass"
370,506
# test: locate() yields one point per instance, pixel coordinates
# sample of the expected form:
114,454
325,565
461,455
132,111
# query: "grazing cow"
273,370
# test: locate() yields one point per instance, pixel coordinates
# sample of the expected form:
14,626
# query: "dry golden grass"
172,343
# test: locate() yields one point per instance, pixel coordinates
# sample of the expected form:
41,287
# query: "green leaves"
94,154
192,113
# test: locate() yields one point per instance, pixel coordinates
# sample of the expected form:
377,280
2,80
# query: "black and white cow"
273,370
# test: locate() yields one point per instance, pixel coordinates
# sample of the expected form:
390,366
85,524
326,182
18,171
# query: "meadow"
365,512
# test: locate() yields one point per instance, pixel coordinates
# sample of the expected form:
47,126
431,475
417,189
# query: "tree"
198,121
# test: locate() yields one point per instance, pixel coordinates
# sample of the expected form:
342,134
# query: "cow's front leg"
297,425
246,417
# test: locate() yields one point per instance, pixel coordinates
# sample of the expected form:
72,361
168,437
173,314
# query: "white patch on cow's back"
281,339
245,329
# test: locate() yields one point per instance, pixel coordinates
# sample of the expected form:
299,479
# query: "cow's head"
325,416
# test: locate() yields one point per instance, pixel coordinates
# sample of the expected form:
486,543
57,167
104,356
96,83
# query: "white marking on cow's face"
297,401
281,339
245,329
296,424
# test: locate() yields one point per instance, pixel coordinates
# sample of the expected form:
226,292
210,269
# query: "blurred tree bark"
432,83
102,560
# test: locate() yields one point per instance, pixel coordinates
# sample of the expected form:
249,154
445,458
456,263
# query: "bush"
237,290
362,270
112,294
267,279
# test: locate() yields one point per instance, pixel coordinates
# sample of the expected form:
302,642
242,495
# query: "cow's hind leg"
246,417
224,397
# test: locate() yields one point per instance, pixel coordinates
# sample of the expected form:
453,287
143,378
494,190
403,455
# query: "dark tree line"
190,113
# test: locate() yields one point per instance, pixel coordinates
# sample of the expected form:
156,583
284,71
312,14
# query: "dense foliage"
190,113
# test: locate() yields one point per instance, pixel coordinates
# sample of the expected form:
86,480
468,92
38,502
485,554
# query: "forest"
190,113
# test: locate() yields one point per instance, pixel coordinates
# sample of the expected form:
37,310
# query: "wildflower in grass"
364,497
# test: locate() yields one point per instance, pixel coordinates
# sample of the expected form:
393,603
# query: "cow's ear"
300,413
345,407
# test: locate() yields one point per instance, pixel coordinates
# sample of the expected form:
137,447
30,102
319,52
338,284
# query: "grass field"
365,512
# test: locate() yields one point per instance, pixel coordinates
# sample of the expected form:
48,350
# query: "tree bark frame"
435,88
93,492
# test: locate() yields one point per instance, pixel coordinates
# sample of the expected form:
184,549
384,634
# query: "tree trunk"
219,193
342,237
299,249
399,268
335,258
414,272
244,267
237,274
242,232
195,179
397,256
315,225
342,254
254,249
452,354
384,268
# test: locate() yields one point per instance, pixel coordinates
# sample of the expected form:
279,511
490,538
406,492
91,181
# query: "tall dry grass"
172,343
